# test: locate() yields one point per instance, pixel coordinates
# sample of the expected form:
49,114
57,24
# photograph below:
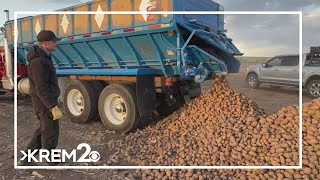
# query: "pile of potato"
223,127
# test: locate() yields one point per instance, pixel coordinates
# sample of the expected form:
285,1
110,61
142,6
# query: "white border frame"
162,12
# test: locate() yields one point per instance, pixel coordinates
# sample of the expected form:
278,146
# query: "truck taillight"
86,36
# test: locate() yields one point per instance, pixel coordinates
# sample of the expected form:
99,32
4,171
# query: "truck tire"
81,101
118,108
252,81
313,88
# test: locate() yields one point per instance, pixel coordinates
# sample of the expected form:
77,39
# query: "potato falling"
224,128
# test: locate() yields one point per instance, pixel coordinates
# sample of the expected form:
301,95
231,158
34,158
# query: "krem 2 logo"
60,155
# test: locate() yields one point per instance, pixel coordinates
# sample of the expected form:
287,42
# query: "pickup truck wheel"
118,108
252,81
314,88
81,101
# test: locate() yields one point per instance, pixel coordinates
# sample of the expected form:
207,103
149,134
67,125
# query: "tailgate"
216,39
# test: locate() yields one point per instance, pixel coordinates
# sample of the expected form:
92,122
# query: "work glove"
56,113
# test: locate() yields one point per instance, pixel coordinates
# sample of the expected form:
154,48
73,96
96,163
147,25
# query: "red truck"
6,64
5,84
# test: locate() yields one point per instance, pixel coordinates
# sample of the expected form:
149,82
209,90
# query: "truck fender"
146,94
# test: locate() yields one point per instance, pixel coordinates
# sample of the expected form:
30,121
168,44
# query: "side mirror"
266,65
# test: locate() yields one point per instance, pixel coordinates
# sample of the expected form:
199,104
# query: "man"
44,93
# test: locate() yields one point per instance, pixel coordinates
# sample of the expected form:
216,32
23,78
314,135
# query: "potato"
307,170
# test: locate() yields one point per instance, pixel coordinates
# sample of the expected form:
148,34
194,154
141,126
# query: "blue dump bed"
193,47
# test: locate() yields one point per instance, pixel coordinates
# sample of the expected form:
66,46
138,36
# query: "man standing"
44,93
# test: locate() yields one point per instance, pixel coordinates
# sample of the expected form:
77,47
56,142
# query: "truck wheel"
314,88
80,101
118,108
252,81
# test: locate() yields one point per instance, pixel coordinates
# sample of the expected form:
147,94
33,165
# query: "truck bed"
122,44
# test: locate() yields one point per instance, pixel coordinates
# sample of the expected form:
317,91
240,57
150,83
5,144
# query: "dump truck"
121,68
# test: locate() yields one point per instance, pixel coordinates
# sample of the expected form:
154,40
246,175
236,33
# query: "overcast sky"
254,35
273,34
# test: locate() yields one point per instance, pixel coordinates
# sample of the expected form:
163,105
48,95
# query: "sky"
254,35
273,34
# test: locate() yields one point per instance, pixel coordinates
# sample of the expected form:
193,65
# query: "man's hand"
56,113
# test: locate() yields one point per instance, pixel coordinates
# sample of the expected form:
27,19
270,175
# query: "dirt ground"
97,136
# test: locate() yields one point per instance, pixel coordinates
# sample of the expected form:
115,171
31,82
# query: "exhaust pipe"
8,62
8,80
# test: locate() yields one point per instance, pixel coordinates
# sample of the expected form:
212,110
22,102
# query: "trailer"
122,67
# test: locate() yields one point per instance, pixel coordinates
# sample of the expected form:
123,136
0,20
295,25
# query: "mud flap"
146,94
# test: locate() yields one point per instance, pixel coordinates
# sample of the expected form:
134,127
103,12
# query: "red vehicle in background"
21,71
6,63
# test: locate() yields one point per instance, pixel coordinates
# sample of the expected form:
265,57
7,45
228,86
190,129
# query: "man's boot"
26,163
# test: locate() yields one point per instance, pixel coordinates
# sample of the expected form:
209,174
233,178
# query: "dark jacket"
42,77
